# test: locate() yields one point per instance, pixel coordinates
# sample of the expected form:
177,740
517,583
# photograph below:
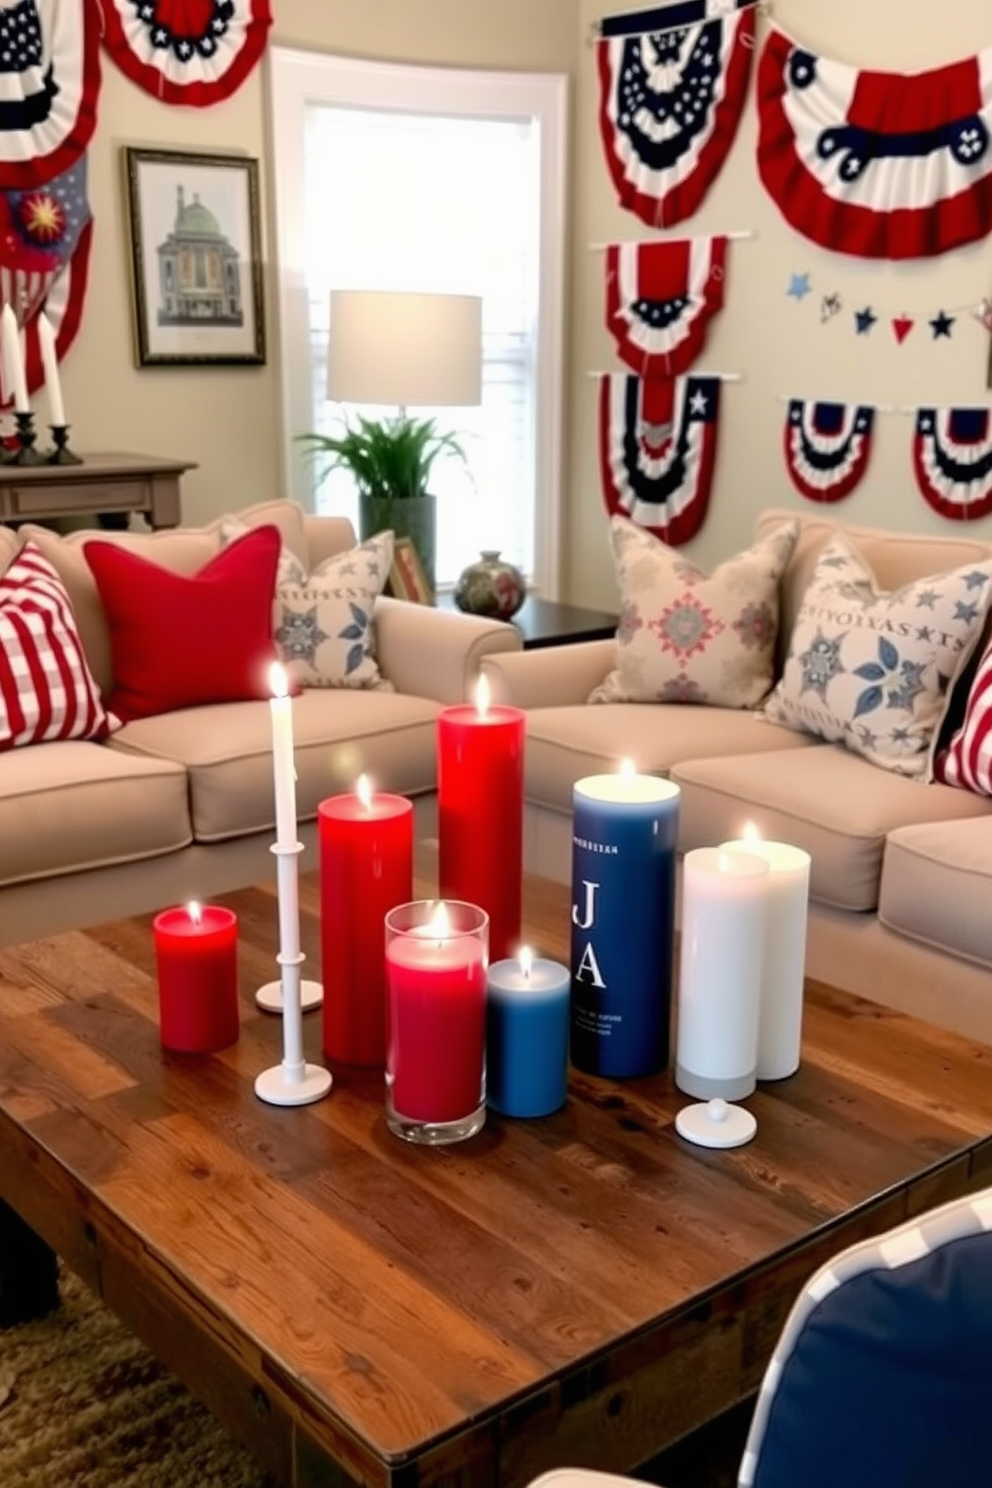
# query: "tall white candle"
784,963
283,766
14,380
50,362
724,905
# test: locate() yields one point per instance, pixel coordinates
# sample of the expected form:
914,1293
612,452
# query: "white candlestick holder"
293,1082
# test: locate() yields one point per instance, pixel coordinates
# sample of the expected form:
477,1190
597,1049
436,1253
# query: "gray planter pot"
412,517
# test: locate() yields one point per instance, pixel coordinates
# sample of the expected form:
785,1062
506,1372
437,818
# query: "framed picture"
196,258
407,579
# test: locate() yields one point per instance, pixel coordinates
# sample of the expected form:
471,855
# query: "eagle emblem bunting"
49,83
672,83
193,52
952,458
827,446
657,445
876,164
660,298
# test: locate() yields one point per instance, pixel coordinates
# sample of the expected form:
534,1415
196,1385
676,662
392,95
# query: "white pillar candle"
50,363
283,767
780,1017
724,903
14,380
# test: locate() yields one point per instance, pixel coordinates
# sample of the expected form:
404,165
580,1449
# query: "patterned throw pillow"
46,689
322,622
690,637
967,760
871,670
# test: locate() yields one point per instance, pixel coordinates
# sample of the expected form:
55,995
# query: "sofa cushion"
565,743
692,637
826,800
936,886
72,805
227,750
46,689
871,670
180,640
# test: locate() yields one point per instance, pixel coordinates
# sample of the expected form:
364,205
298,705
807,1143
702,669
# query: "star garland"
943,324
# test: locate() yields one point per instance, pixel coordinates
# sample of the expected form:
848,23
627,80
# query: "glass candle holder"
437,951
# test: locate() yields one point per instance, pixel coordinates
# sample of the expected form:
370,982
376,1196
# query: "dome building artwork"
199,281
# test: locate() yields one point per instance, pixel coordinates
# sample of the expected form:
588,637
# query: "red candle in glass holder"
196,953
366,869
480,801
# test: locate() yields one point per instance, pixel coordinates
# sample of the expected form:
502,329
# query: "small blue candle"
527,1036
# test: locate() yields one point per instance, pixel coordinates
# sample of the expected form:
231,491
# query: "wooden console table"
103,483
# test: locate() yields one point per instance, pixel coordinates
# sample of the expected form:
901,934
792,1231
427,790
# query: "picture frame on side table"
407,579
196,258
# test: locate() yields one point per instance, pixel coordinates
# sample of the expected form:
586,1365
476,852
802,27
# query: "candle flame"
278,680
750,832
526,961
195,911
483,696
363,790
439,923
627,767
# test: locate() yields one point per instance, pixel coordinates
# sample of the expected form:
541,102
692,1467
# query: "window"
392,177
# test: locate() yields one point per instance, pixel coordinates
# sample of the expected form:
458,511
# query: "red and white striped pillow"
967,760
46,689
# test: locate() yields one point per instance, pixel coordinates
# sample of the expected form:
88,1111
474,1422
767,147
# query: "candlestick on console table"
12,359
25,454
61,454
50,366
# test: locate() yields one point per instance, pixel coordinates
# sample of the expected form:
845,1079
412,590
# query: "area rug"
84,1405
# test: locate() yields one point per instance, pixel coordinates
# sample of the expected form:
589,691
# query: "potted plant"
390,461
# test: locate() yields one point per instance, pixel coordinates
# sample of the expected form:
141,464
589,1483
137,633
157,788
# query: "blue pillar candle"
624,835
527,1011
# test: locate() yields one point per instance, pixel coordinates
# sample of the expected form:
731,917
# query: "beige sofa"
181,806
901,881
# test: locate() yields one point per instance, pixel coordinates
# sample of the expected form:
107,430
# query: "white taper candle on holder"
780,1018
12,357
293,1082
50,363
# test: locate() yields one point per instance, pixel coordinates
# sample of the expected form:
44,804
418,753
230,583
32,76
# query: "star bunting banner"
49,84
660,298
952,459
827,446
657,446
193,52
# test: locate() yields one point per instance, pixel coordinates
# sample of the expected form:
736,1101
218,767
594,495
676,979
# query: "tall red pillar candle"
480,799
196,954
366,869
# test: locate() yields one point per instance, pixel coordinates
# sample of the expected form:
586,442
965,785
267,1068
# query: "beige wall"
777,345
227,419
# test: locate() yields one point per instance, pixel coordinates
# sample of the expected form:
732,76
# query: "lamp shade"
405,349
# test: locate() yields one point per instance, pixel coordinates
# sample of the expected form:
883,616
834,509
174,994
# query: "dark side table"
545,622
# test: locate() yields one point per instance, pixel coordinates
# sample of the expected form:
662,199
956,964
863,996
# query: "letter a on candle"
589,964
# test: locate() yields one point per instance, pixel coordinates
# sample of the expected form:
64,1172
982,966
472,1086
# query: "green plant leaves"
389,458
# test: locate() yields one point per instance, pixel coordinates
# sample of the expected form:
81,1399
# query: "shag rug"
84,1405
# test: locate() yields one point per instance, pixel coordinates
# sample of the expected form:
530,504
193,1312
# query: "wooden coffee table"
582,1289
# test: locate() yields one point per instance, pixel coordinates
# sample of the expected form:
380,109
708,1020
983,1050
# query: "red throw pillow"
967,760
46,689
179,641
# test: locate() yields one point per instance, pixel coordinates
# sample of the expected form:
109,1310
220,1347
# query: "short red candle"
480,799
437,1025
196,952
366,869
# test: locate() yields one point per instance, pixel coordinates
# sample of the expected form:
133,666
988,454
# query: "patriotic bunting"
940,323
827,446
952,459
672,83
49,83
193,52
660,298
876,164
657,445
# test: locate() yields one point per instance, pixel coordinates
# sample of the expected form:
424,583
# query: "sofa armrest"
549,676
433,653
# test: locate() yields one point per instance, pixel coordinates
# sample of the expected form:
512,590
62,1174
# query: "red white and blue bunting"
952,458
876,164
49,84
660,298
672,84
827,446
657,446
193,52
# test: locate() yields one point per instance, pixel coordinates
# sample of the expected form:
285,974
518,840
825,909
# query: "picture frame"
407,579
196,258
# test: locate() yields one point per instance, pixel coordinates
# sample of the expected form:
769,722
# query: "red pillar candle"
480,797
196,953
436,956
366,869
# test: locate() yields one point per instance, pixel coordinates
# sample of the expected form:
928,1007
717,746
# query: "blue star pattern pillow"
872,670
322,621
